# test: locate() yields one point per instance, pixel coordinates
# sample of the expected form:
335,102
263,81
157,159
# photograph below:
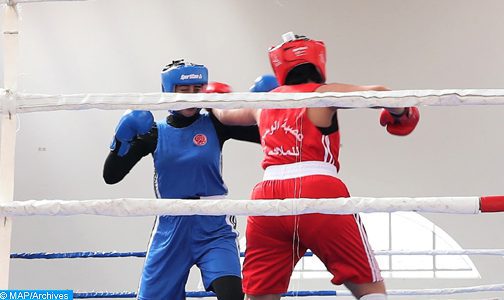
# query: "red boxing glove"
402,124
218,87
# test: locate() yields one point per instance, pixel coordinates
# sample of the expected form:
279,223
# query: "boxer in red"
301,147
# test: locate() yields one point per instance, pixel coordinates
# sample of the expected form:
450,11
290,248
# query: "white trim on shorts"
300,169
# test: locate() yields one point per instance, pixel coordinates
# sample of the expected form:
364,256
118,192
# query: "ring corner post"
490,204
8,133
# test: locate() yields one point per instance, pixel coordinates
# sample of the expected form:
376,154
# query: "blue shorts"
179,242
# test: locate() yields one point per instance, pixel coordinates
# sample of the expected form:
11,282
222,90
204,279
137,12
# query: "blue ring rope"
196,294
43,255
110,295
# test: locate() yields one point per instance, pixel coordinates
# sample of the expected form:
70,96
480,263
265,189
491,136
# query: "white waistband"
300,169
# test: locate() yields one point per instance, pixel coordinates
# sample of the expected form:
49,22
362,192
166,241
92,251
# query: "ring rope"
161,101
148,207
114,254
14,2
402,292
10,27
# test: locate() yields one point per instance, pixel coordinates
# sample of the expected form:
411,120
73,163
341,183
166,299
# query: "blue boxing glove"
132,124
264,83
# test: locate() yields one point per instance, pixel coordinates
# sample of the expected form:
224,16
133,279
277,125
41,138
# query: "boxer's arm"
345,88
241,133
240,117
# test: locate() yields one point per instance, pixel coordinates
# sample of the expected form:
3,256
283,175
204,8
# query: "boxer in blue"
186,148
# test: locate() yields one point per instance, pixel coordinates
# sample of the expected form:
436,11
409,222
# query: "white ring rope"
148,207
163,101
14,2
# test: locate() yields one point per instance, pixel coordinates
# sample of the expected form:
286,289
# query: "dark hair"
303,74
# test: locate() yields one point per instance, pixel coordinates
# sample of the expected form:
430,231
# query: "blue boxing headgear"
182,73
264,83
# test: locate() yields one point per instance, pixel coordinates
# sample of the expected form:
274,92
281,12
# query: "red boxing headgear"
295,51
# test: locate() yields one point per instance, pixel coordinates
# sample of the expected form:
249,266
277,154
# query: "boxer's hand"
264,83
132,124
217,87
402,124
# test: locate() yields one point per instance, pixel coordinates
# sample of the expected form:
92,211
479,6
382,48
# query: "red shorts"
274,246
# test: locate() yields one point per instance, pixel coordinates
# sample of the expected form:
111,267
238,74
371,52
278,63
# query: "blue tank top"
187,161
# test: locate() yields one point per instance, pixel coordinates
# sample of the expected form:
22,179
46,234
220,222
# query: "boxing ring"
13,103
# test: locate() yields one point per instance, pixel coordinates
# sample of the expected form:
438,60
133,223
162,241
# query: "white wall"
121,46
